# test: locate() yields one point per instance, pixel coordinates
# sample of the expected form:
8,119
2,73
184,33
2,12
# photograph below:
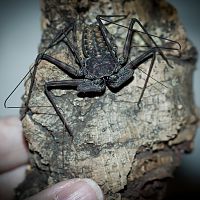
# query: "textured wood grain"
129,152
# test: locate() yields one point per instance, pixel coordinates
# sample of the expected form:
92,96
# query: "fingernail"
81,189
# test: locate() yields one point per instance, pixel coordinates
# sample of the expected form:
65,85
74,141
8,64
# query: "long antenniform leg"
63,66
132,31
59,36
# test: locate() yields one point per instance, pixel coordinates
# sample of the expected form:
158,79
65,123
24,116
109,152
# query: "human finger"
13,150
74,189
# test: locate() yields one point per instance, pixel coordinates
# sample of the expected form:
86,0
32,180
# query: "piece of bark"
130,152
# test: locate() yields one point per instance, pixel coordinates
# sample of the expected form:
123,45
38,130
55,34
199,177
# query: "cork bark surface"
130,152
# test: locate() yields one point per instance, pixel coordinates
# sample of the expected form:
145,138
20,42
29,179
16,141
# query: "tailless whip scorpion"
101,67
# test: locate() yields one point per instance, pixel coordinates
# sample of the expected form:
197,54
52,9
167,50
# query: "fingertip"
95,187
74,189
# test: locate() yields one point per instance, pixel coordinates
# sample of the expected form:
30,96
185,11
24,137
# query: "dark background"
20,35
